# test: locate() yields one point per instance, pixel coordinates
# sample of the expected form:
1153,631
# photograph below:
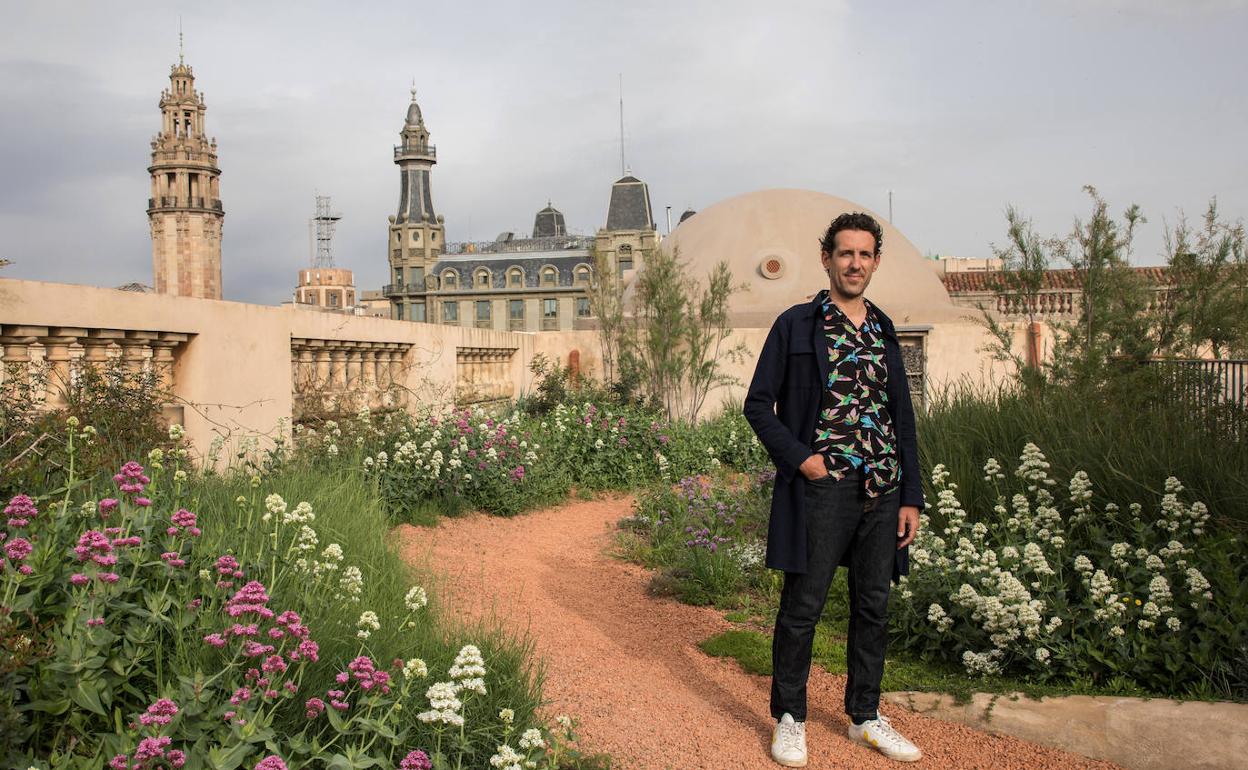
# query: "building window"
515,314
582,307
415,236
398,311
484,312
481,279
550,276
550,314
398,276
582,274
331,299
417,275
418,311
450,280
515,277
450,312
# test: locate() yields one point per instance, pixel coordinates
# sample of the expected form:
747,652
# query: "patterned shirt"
855,429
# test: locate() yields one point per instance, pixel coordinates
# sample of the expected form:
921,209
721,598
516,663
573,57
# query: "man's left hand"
907,525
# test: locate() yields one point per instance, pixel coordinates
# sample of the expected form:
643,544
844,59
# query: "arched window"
450,279
515,277
550,275
582,274
481,278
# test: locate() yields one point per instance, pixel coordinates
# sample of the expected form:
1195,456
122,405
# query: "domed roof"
414,118
770,240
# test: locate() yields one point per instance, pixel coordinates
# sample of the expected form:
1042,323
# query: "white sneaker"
880,735
788,742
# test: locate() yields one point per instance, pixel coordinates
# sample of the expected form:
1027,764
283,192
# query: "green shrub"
1064,584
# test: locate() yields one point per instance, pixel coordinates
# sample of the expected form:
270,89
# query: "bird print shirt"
855,431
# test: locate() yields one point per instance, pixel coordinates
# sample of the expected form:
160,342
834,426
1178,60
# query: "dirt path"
628,667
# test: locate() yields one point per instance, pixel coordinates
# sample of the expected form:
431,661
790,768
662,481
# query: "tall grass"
1128,446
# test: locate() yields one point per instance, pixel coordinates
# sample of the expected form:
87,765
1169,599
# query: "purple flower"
79,579
20,510
241,695
108,577
18,548
151,748
271,762
226,565
250,599
108,504
159,713
94,622
172,559
314,706
118,763
216,640
416,760
176,758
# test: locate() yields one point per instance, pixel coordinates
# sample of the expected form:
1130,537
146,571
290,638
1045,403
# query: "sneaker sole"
789,762
894,757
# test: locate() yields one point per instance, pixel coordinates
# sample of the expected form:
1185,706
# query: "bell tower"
416,231
185,211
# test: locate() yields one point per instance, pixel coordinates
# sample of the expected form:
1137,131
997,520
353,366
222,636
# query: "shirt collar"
826,306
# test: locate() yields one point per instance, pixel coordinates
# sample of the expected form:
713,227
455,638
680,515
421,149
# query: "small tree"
1206,305
606,302
1025,261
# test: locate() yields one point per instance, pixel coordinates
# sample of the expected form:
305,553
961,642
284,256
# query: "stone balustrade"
337,377
483,375
45,362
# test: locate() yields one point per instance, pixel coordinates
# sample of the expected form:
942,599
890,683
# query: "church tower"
416,232
185,211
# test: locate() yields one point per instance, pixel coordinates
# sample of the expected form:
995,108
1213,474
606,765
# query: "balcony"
428,151
175,202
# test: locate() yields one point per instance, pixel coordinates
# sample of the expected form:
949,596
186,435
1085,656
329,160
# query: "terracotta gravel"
628,667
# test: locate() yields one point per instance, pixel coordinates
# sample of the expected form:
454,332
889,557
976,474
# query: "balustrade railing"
46,362
483,375
338,377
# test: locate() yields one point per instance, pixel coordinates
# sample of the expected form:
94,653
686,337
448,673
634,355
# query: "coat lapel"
820,339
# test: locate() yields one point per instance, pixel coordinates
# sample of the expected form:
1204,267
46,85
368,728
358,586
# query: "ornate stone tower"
416,232
185,208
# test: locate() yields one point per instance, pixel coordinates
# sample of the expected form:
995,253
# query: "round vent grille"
772,267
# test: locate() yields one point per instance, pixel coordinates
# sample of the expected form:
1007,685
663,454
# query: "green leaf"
229,759
87,695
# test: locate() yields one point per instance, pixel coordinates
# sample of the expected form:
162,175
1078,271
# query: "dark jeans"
840,521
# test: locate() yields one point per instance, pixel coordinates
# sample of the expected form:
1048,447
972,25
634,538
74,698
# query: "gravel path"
627,665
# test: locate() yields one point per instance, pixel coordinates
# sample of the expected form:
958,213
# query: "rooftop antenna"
623,167
181,62
324,222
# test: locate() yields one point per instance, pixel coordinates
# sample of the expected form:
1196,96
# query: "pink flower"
176,758
271,762
517,473
216,640
95,622
315,707
342,678
131,479
276,633
291,687
118,763
20,510
226,565
241,695
142,501
274,664
270,693
183,518
108,577
108,504
25,569
239,629
127,542
93,545
249,600
18,548
288,618
172,559
152,748
161,712
194,604
253,649
79,579
416,760
308,650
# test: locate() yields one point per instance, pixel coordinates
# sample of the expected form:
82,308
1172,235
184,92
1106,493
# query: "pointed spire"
181,61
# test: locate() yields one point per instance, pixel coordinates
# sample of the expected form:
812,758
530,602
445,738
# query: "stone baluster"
17,341
338,371
56,360
398,377
354,365
368,377
320,379
134,351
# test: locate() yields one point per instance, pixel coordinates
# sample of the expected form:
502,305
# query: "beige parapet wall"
237,369
240,370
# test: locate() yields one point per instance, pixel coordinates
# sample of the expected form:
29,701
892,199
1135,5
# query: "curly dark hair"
853,220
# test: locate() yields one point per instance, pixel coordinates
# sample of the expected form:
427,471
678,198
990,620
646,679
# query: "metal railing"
429,151
177,202
1216,389
520,245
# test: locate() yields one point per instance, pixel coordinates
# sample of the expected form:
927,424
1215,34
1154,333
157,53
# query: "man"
830,402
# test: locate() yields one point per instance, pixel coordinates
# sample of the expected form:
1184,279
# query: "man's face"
851,263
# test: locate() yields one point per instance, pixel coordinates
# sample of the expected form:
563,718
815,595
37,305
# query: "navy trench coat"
782,407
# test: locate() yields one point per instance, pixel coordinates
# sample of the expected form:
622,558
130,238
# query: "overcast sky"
960,108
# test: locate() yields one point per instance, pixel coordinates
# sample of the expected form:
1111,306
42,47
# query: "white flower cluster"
351,585
367,624
415,599
532,739
748,555
468,670
415,669
444,705
937,617
506,758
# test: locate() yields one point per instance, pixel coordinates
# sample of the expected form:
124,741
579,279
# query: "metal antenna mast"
623,167
324,222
